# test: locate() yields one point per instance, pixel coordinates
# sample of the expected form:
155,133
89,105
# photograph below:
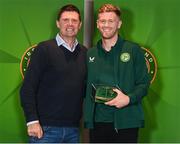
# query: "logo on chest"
125,57
91,59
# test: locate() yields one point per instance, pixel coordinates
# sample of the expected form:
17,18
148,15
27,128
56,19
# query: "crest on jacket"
125,57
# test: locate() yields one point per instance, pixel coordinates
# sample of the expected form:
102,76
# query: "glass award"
103,93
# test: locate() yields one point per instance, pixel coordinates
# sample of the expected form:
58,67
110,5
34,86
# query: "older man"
53,88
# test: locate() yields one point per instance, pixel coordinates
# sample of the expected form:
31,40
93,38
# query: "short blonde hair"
110,8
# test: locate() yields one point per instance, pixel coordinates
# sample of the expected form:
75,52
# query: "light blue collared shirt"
60,41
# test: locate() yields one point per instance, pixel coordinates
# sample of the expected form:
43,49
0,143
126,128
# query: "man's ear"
57,24
97,24
80,25
120,23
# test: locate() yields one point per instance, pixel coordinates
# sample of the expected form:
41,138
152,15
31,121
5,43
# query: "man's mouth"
69,29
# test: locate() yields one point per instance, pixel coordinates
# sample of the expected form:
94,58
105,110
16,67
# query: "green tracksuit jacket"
130,74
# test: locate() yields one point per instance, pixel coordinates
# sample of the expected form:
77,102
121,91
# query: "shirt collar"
60,42
116,47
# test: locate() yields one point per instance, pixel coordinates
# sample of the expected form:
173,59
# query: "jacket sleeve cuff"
133,99
32,122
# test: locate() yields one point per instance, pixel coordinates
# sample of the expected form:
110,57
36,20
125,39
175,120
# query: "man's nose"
106,23
70,22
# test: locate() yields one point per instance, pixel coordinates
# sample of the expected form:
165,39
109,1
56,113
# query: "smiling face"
69,24
108,24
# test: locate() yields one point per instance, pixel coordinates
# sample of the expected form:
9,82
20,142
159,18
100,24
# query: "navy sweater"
54,85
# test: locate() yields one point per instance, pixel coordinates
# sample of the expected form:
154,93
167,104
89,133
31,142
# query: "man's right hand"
35,130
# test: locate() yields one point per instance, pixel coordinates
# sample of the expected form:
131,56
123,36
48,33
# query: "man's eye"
74,21
102,21
65,20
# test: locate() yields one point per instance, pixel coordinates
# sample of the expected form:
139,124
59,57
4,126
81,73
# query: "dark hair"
70,8
110,8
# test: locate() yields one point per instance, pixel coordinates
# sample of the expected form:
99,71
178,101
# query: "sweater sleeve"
142,80
29,89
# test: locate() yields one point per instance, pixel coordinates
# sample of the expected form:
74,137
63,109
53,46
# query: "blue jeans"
57,135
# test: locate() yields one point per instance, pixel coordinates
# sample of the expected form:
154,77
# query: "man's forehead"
106,14
69,13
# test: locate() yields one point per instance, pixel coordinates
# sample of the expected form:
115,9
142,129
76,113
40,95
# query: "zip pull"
116,130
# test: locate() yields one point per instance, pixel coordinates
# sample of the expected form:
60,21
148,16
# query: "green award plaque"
104,94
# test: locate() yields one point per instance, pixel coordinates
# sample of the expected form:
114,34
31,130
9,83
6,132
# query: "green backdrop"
154,24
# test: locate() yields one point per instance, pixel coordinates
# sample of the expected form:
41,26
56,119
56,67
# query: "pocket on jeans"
76,130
